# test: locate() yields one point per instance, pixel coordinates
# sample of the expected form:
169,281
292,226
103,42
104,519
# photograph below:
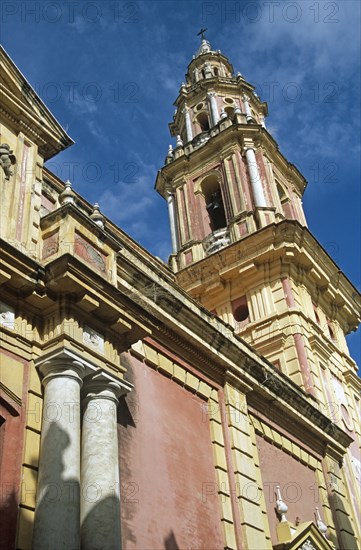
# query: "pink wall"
184,215
264,178
203,216
236,190
12,429
297,481
193,211
165,461
245,182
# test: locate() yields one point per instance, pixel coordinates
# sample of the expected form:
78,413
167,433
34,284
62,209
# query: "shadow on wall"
170,542
10,421
126,413
57,523
93,532
57,516
345,531
8,514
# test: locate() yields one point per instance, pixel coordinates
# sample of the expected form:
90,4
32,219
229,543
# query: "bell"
216,201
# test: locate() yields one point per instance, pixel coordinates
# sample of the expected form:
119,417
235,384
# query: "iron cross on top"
201,33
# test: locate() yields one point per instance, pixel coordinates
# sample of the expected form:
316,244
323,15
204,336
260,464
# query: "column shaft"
57,515
172,222
214,108
257,189
100,489
188,125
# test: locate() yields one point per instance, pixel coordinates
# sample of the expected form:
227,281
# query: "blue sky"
110,71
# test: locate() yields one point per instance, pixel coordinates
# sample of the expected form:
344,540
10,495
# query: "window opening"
240,309
215,210
203,122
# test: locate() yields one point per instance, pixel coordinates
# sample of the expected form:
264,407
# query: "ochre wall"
165,460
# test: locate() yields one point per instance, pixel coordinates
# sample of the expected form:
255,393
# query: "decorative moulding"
7,316
94,339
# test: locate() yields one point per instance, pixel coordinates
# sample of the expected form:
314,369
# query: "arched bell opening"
203,121
214,203
230,112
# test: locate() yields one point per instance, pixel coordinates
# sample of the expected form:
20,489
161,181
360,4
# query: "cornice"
294,245
352,380
233,135
26,112
292,409
210,343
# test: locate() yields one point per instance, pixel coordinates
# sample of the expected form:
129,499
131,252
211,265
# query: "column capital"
102,385
63,362
248,143
249,148
61,365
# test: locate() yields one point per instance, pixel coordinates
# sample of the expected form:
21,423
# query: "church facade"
206,404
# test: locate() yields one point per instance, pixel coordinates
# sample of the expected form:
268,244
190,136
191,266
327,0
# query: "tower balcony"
216,240
200,140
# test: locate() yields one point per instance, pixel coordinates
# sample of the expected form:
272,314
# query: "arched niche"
210,189
203,121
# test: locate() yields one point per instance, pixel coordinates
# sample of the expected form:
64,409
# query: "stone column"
100,488
57,514
214,107
172,222
257,189
188,124
247,108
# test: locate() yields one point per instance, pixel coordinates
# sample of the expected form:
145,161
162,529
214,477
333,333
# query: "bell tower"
241,246
226,174
240,243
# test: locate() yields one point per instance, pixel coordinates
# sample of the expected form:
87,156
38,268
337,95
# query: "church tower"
240,242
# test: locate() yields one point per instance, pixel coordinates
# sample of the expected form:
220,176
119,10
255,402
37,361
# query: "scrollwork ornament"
7,159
